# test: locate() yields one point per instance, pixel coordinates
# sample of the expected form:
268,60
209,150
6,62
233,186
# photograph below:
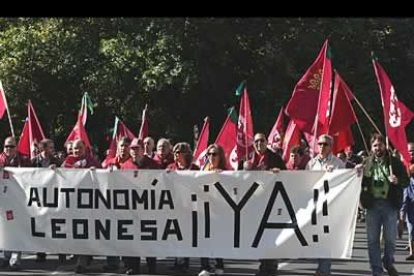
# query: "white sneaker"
204,273
219,271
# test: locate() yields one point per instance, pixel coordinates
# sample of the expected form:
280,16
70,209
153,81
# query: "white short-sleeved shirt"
319,164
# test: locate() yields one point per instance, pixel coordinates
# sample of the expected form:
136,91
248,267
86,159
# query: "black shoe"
62,259
392,271
90,259
80,269
110,268
15,267
132,271
40,258
180,269
261,273
5,264
152,269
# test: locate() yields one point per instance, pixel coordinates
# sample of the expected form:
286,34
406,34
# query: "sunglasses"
10,146
214,154
323,144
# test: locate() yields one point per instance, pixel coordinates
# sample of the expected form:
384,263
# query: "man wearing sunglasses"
12,158
325,161
265,159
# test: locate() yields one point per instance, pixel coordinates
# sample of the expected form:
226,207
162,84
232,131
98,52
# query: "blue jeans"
382,213
324,266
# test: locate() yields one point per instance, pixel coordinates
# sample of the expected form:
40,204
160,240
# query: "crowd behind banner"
386,197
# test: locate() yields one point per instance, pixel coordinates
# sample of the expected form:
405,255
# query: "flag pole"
246,141
315,126
387,145
7,109
366,114
363,138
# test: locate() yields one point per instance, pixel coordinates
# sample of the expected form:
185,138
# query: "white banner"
244,214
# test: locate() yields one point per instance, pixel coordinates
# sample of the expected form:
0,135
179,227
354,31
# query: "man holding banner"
325,161
265,159
11,157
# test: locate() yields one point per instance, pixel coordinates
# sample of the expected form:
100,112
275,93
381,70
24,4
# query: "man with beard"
384,179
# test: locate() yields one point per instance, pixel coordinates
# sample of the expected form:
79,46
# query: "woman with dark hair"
216,162
183,160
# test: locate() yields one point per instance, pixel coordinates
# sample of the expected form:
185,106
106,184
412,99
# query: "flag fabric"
396,114
244,135
32,134
343,116
239,88
200,153
314,85
78,132
342,140
143,131
3,102
227,139
120,130
35,130
24,142
276,134
85,106
292,138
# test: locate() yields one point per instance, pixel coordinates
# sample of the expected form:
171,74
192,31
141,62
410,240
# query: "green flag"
239,89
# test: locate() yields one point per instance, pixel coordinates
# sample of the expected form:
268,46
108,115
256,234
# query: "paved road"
358,266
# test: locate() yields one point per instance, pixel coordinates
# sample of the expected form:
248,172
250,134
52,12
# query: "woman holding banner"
216,162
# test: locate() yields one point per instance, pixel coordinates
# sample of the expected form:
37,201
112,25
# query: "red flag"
292,138
343,116
342,140
303,106
276,134
35,130
143,131
227,139
120,130
24,141
32,134
244,129
78,132
396,114
201,152
3,103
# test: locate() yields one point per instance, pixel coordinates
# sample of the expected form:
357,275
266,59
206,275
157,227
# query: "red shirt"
82,162
147,163
268,160
18,160
117,162
174,166
163,162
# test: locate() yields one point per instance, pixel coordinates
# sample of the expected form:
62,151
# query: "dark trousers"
135,262
268,266
205,263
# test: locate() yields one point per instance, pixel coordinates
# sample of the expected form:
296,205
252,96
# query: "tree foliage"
188,68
